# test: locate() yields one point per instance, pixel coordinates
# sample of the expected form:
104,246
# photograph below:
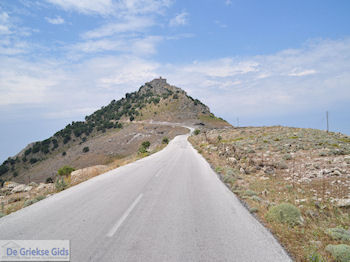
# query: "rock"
338,233
21,188
269,171
298,201
81,175
43,186
33,184
232,160
242,170
10,185
312,214
340,252
345,202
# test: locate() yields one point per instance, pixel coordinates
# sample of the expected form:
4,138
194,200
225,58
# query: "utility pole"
327,121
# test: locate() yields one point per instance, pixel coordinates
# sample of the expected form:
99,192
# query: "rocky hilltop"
111,133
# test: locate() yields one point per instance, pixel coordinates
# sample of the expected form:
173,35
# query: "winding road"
169,206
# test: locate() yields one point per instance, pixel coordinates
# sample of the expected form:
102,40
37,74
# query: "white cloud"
4,24
55,21
262,85
306,72
110,7
179,20
133,45
129,24
102,7
228,2
250,86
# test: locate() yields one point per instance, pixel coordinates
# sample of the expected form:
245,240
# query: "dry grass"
286,165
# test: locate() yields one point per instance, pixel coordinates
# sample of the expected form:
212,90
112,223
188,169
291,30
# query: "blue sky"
265,62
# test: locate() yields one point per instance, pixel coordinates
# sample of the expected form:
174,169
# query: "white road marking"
124,216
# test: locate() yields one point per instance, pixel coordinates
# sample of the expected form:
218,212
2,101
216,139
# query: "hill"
113,132
295,180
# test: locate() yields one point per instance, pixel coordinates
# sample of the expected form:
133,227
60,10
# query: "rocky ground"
296,181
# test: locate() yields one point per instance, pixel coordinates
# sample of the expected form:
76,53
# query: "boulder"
81,175
345,202
21,188
10,185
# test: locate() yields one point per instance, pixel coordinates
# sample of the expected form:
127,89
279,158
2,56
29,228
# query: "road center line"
124,216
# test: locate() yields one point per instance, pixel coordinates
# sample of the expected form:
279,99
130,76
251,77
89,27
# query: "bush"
340,253
64,153
33,160
165,140
60,184
65,171
2,214
196,132
3,169
146,144
285,213
86,149
338,233
15,174
29,202
49,180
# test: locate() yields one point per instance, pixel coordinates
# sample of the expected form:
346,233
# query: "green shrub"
340,253
33,160
49,180
3,169
65,171
196,132
39,198
60,184
338,233
64,153
86,149
165,140
146,144
285,213
29,202
250,193
2,214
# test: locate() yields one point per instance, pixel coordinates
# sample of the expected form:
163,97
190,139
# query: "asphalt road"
169,206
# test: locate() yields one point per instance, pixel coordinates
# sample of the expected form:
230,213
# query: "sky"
252,62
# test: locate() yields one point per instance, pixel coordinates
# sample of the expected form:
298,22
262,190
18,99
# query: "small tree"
86,149
196,132
144,146
165,140
65,171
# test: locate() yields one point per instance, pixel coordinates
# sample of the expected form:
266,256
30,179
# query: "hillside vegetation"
112,132
296,181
